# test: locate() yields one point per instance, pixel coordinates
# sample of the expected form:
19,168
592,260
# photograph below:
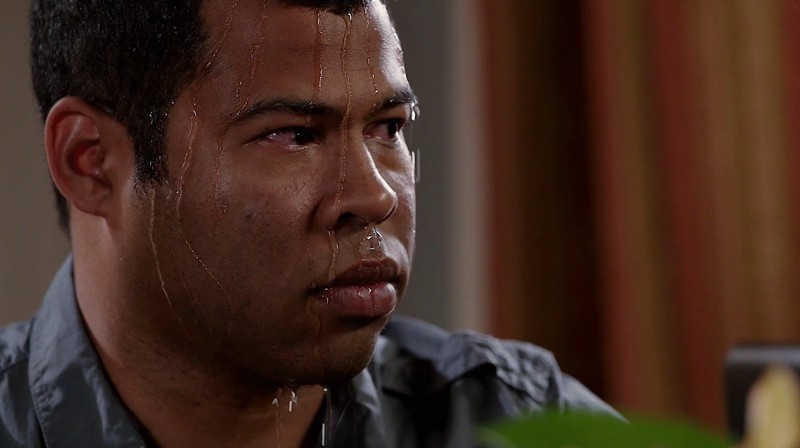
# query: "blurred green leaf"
583,430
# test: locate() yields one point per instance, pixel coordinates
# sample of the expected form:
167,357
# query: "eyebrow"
312,108
399,98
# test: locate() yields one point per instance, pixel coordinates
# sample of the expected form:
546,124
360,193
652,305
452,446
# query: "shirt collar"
356,416
74,402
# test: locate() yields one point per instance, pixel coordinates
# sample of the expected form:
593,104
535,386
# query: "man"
240,202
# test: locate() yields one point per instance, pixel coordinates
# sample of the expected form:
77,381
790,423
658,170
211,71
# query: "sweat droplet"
318,57
259,42
371,244
157,262
187,159
293,400
279,428
369,60
181,185
334,255
207,68
345,125
218,47
327,418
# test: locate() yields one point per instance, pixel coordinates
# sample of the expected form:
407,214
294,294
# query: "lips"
367,272
365,290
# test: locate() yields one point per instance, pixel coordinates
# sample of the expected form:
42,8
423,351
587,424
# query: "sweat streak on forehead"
275,55
260,19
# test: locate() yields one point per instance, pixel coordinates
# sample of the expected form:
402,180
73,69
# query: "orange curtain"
544,285
688,147
694,168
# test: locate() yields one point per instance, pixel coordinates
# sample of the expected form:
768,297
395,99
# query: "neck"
284,418
184,406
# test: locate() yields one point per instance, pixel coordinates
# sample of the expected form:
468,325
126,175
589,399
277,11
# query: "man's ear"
89,155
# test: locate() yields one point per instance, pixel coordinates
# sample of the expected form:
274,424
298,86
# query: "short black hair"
129,58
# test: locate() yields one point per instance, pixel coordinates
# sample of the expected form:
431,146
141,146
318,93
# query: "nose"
361,195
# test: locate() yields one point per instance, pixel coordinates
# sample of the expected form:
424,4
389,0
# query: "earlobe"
83,154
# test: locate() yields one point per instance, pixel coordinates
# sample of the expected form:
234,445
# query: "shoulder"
523,376
18,425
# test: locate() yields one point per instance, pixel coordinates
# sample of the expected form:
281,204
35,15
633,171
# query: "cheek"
248,234
405,217
401,180
410,220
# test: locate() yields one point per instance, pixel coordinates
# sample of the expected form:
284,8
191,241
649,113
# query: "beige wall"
31,246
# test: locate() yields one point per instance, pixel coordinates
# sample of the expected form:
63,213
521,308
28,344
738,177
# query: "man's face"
285,232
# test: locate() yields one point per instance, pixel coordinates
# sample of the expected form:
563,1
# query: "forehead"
267,41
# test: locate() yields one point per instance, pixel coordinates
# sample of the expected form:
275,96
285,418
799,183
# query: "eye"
290,136
387,130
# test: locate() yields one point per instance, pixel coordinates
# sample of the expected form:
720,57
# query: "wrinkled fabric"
423,388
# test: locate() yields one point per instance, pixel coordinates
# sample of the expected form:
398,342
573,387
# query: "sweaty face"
283,237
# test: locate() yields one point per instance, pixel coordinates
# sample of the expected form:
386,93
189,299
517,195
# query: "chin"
344,354
336,357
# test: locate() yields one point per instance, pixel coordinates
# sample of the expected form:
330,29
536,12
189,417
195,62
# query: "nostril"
391,210
351,220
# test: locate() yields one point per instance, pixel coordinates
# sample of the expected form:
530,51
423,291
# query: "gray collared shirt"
423,388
